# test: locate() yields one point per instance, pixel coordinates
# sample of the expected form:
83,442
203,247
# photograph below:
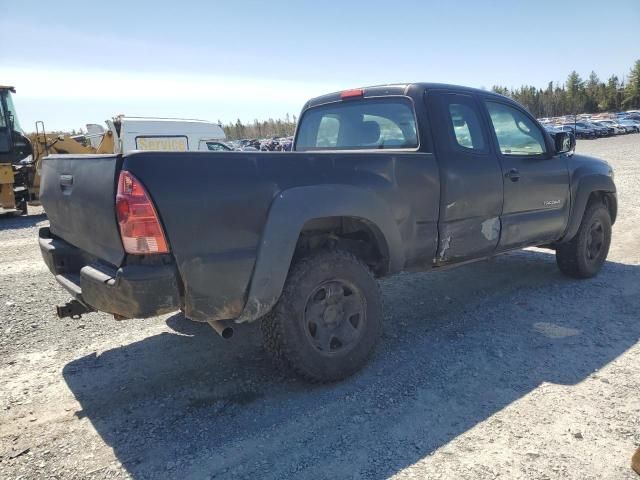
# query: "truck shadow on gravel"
459,346
11,222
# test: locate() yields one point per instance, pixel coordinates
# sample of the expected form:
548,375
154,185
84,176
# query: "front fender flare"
584,187
290,210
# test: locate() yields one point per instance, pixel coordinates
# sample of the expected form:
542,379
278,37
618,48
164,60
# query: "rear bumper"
131,291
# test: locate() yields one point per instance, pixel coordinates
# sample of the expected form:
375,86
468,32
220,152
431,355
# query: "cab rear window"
387,123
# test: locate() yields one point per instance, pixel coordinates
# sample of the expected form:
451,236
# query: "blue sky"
73,63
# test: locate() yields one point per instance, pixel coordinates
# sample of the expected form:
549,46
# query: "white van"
148,133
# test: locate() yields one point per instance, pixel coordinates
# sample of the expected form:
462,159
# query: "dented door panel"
471,179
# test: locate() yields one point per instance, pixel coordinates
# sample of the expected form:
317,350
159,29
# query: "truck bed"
214,208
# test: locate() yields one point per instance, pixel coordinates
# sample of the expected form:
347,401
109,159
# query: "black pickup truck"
381,180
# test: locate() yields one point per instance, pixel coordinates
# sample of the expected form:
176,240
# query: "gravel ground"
498,369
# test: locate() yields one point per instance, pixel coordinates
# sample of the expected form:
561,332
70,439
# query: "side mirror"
564,142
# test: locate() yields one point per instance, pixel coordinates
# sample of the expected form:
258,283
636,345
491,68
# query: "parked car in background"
606,130
250,144
617,129
630,125
217,146
601,130
597,130
564,128
268,145
593,125
286,144
551,128
578,131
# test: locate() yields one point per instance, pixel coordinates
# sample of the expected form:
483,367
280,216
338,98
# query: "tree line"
577,95
261,129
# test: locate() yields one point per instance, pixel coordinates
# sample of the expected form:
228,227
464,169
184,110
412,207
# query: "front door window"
517,134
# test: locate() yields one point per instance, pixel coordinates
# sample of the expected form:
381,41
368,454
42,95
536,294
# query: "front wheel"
328,319
584,254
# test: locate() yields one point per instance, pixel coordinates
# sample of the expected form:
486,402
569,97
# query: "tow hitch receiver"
73,309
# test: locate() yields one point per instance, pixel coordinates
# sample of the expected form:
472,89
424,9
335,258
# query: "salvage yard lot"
498,368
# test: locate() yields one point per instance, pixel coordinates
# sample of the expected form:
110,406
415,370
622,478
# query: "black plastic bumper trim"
131,291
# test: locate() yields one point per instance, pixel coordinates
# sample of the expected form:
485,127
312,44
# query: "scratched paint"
445,246
491,228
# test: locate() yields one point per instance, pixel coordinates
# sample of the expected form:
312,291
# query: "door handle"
513,175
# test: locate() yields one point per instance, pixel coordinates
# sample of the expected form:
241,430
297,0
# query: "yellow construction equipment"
14,147
21,155
46,144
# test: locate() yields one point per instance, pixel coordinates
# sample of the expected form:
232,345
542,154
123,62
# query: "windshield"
12,111
359,124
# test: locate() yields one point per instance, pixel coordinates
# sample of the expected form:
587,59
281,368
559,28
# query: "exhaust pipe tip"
222,328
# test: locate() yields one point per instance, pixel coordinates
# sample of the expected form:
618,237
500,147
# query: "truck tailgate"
78,195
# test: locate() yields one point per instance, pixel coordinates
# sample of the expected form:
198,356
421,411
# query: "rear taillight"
140,227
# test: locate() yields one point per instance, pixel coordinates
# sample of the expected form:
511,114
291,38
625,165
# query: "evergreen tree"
575,93
591,90
501,90
632,89
575,96
611,93
239,129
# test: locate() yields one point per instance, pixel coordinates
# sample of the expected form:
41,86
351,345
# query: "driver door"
536,183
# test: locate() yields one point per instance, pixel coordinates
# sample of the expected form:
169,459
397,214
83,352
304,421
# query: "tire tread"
568,254
275,341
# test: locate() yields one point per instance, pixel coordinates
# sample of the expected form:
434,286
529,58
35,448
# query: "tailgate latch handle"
66,181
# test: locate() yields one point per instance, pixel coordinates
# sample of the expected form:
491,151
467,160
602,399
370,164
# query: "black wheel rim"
334,317
595,241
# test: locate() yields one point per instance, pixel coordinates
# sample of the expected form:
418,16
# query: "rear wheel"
328,319
584,254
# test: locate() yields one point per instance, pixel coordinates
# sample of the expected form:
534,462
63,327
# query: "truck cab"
501,182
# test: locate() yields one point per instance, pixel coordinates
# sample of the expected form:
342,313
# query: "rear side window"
517,134
465,125
359,124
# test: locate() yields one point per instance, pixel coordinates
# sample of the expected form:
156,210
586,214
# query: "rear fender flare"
290,210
